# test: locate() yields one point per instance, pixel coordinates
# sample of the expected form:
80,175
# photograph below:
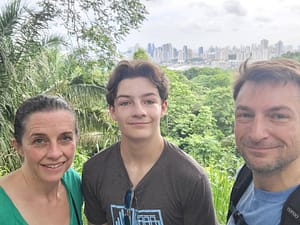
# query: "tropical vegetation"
33,61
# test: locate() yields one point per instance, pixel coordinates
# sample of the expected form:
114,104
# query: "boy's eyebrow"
144,95
122,96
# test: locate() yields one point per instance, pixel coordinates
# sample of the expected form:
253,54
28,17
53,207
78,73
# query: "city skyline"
292,48
223,57
217,23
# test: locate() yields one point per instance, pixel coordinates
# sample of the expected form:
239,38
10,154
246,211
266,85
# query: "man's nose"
258,129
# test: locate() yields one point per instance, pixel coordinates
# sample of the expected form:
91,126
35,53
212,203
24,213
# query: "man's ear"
18,147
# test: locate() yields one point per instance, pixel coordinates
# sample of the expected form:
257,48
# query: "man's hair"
276,70
137,68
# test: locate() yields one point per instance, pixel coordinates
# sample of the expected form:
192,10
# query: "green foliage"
21,39
200,117
80,158
200,107
141,54
221,103
202,148
221,182
292,55
194,72
97,26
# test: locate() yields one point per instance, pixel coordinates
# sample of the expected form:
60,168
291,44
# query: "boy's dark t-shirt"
175,191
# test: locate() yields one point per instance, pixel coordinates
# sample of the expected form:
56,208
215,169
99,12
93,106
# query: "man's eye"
244,115
279,116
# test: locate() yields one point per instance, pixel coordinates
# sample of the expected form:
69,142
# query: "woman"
44,190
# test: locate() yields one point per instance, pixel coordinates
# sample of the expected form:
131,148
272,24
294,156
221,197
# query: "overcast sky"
217,23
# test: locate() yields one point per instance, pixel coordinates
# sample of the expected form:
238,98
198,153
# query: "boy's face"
138,109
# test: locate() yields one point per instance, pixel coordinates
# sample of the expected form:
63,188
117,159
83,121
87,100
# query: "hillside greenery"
200,106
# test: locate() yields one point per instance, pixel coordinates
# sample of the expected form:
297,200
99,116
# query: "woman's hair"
137,68
276,70
39,103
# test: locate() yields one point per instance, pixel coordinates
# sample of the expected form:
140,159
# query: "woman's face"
48,144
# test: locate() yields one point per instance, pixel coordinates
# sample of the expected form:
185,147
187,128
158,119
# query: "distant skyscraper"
185,53
150,49
264,49
264,43
200,51
279,48
167,53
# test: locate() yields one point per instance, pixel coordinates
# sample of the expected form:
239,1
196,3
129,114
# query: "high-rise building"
264,49
150,49
200,52
279,50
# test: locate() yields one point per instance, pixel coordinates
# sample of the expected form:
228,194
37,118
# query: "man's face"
138,108
267,125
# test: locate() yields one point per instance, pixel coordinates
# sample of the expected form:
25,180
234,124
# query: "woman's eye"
39,141
67,137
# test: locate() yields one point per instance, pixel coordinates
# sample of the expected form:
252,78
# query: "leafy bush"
221,183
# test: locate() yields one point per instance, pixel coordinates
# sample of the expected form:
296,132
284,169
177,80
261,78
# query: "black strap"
240,185
291,209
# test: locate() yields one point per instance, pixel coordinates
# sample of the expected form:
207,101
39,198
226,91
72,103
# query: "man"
267,134
143,179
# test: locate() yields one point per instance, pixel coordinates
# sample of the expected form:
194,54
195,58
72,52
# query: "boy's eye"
124,103
149,102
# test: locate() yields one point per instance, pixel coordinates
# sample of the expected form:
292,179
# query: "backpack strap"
291,209
240,185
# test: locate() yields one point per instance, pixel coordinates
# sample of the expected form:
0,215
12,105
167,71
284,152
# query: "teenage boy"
144,179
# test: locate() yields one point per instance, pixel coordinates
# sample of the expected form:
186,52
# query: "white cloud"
218,22
234,7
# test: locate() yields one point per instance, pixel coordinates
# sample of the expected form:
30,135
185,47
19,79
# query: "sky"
219,23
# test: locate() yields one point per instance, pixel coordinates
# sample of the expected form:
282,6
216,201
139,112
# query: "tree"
97,26
83,85
21,39
292,55
140,54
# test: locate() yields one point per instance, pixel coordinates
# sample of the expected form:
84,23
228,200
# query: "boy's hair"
276,70
136,68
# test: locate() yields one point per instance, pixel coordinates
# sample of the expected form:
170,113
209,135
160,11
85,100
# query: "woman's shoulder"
9,180
71,176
